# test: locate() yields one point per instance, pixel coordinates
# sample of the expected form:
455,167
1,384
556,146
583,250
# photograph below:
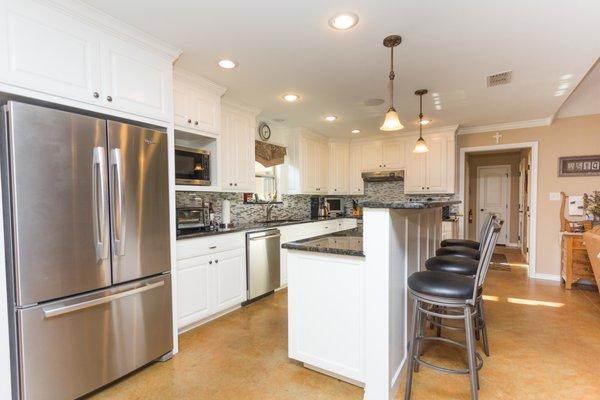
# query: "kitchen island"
347,295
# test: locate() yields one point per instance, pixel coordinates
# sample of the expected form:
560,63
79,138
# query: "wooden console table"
575,263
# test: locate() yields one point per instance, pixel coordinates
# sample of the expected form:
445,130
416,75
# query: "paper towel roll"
226,207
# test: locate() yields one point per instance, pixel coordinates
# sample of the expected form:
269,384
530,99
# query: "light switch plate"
554,196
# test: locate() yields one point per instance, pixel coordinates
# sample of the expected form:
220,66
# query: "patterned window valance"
269,154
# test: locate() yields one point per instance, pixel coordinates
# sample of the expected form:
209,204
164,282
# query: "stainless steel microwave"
192,166
336,206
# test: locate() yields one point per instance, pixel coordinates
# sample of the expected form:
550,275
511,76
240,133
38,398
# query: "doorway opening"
501,179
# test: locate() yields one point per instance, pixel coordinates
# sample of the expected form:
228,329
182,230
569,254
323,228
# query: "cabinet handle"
335,190
195,122
109,98
216,261
210,262
235,184
96,95
423,187
212,247
189,121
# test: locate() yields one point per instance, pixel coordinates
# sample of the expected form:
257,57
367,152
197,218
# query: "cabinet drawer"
578,243
194,247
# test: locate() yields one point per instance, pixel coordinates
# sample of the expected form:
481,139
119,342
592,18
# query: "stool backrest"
485,227
489,244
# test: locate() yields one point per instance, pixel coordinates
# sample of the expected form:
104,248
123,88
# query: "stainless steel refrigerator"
86,213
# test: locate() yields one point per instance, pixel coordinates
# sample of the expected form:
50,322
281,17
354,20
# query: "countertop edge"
408,205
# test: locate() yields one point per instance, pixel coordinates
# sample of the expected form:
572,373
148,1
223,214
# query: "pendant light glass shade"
392,121
421,146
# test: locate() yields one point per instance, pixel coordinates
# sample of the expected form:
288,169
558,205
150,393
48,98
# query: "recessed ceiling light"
290,97
355,131
330,118
343,21
425,122
227,64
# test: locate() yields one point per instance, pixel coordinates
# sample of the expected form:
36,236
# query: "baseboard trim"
512,245
547,277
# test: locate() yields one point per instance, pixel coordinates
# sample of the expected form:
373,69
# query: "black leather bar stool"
463,247
458,295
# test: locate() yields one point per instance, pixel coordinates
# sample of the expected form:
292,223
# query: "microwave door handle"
99,209
117,203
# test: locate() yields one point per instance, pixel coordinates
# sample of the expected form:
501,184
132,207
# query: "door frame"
508,209
532,198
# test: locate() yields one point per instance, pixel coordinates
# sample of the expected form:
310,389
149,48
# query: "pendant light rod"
392,121
421,146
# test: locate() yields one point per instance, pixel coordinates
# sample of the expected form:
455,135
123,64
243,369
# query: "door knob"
109,98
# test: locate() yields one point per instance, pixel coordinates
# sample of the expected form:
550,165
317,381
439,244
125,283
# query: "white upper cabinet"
65,59
432,172
308,164
356,185
135,80
237,149
383,155
339,154
197,103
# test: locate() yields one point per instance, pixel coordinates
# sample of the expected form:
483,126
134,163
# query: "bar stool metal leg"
484,335
411,352
469,329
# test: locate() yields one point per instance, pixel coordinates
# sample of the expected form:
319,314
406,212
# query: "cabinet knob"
96,95
195,122
189,121
210,262
216,261
335,190
235,184
422,187
230,184
109,98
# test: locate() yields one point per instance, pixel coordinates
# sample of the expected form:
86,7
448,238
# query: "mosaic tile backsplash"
293,206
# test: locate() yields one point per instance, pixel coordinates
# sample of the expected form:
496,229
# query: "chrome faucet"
270,206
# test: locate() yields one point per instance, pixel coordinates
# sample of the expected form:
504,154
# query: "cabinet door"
322,167
181,105
193,290
437,165
229,279
356,183
135,81
371,156
338,168
204,111
49,52
415,170
308,166
237,151
393,154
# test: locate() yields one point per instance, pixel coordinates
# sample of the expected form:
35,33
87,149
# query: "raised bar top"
348,243
408,204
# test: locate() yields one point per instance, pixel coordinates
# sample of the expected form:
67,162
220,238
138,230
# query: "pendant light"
392,121
421,146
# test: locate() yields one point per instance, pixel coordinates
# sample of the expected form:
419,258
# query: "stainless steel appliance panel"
192,166
263,262
71,347
139,188
59,200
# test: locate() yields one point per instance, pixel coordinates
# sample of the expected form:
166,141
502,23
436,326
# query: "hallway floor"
544,341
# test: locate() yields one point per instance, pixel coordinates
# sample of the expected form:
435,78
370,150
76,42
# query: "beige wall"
480,160
565,137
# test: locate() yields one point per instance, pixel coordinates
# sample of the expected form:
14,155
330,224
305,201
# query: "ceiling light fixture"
330,118
290,97
355,131
392,121
227,64
421,146
424,122
343,21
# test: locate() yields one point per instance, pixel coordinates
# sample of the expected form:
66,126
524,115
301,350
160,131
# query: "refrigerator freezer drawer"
71,347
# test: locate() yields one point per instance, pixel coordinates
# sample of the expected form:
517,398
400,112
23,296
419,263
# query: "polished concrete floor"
545,344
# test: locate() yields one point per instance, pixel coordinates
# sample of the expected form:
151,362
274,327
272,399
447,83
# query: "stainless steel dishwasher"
262,263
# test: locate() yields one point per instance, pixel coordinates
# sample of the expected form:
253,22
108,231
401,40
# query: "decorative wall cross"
497,136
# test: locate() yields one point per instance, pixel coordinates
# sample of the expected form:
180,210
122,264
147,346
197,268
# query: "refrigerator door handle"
100,212
50,312
118,227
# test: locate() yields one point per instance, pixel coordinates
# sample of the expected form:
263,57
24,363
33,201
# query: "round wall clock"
264,131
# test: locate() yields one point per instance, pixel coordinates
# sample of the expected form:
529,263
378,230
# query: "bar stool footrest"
417,358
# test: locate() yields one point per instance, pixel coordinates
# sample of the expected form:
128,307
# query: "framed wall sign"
579,166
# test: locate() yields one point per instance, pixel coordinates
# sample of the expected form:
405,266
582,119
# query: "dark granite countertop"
254,226
348,243
408,204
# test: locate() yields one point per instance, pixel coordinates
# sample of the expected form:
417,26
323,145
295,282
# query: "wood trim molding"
467,130
404,134
198,80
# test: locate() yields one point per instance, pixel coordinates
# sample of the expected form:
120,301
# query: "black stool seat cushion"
460,251
454,264
442,284
461,242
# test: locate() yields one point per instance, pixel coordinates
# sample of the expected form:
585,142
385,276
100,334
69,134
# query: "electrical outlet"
554,196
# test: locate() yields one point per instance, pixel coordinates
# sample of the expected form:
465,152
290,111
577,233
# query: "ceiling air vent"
501,78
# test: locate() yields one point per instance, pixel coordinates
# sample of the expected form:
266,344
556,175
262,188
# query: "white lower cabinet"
211,276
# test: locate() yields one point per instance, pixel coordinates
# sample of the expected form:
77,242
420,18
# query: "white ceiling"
449,47
585,100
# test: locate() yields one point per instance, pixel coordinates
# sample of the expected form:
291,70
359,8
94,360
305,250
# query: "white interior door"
493,194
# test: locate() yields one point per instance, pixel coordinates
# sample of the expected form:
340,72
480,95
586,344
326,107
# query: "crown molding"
198,80
403,134
506,126
240,106
118,28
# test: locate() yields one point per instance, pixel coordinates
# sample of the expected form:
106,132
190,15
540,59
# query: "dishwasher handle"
265,237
